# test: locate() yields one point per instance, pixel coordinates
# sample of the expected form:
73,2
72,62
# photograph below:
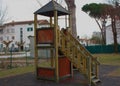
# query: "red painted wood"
45,36
64,67
45,72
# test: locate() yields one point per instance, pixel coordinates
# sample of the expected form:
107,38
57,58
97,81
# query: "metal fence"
102,49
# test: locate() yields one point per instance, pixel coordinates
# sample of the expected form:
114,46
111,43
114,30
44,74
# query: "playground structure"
63,50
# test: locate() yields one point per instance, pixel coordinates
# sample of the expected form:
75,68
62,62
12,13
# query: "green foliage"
97,40
96,10
93,9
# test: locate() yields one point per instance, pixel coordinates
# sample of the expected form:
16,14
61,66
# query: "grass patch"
16,71
108,59
21,70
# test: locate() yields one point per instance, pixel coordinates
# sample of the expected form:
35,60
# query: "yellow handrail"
77,54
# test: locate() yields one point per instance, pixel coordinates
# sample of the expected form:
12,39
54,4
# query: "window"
7,30
1,45
29,29
13,37
1,38
7,37
30,24
12,30
1,31
21,34
12,45
21,30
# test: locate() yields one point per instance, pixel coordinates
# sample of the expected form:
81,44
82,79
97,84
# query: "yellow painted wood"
70,23
78,59
89,71
97,71
35,46
77,54
50,21
56,45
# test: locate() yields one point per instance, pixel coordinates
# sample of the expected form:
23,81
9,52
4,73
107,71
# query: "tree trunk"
72,8
114,35
102,29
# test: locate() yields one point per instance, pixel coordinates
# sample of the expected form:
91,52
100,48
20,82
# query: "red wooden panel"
46,72
64,67
45,36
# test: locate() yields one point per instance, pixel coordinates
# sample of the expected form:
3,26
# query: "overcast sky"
20,10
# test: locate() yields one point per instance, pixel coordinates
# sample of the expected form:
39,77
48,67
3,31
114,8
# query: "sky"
22,10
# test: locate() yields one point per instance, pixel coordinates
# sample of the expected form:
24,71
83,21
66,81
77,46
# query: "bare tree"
3,13
19,44
7,43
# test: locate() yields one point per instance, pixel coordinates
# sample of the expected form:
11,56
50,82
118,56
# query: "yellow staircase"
79,56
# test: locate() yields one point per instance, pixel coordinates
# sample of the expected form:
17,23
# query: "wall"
109,34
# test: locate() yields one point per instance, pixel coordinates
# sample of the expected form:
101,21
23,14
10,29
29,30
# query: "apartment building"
109,34
18,32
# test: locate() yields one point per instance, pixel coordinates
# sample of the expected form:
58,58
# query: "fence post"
11,58
26,56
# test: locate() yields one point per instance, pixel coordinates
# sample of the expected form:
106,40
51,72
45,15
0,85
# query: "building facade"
19,32
109,34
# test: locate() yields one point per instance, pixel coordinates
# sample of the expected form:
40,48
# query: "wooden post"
84,65
56,45
51,50
35,45
66,21
97,70
70,23
50,21
79,59
89,71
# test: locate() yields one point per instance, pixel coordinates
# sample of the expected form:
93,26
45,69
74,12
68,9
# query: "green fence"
102,49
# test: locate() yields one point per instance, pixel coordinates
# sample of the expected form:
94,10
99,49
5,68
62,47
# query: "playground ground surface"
29,79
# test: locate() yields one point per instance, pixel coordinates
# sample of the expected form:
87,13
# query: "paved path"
29,79
106,79
78,80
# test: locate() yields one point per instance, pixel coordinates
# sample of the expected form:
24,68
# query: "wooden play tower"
60,49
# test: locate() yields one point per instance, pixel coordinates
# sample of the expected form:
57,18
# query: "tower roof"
50,7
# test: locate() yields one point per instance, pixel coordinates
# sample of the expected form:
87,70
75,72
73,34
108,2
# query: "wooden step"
96,81
93,77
